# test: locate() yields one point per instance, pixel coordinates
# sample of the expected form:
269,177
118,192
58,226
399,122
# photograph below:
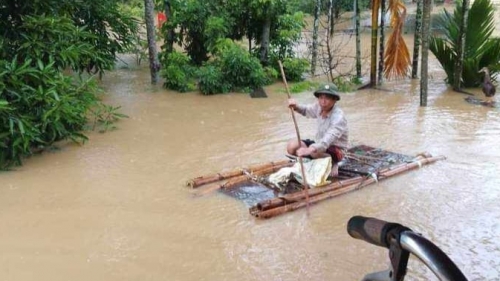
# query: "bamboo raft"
363,166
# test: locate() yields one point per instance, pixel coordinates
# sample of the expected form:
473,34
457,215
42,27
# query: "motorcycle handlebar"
382,233
372,230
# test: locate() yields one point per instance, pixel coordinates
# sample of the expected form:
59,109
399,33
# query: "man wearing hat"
332,134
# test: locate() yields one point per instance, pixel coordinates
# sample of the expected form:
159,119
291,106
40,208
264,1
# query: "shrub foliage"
481,49
39,103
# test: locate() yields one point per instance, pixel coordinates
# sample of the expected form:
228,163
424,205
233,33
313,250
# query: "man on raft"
332,134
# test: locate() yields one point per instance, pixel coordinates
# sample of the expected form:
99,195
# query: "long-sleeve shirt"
332,129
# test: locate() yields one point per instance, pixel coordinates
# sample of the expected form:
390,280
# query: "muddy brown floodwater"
116,208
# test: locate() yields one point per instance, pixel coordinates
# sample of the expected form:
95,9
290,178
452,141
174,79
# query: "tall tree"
457,85
329,37
417,38
169,39
314,58
382,41
373,63
154,65
334,15
265,40
426,26
358,38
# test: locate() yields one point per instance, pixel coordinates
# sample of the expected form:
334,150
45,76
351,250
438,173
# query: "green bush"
240,68
178,72
346,84
212,80
303,86
39,107
233,68
271,75
294,68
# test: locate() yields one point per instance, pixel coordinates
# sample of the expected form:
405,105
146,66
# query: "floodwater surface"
116,208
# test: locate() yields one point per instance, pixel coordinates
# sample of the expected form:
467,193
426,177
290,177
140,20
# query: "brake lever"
398,257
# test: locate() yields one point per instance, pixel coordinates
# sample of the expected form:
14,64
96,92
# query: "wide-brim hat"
328,89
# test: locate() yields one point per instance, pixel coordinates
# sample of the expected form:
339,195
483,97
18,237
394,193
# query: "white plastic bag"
316,171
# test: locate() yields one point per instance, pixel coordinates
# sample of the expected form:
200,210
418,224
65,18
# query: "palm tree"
358,39
461,45
426,23
382,41
480,48
314,59
373,61
417,39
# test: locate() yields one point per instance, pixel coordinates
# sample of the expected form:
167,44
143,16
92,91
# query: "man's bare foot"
335,171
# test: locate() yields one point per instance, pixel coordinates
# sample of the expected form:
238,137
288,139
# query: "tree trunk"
169,39
457,81
426,26
264,45
329,39
314,59
373,64
382,42
154,65
334,14
358,38
338,6
417,39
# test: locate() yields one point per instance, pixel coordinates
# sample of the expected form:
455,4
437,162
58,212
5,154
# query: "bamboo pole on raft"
298,196
269,213
299,140
206,179
232,182
294,197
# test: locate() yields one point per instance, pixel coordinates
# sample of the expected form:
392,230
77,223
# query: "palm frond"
480,48
444,54
397,57
481,24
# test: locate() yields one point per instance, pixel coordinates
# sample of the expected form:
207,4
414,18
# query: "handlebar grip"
372,230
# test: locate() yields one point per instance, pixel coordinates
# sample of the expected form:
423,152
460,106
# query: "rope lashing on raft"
250,175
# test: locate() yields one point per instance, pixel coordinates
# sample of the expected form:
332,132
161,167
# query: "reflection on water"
116,208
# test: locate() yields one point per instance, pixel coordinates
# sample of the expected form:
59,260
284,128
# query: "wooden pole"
299,140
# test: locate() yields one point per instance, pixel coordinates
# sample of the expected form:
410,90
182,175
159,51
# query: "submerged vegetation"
48,91
52,54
